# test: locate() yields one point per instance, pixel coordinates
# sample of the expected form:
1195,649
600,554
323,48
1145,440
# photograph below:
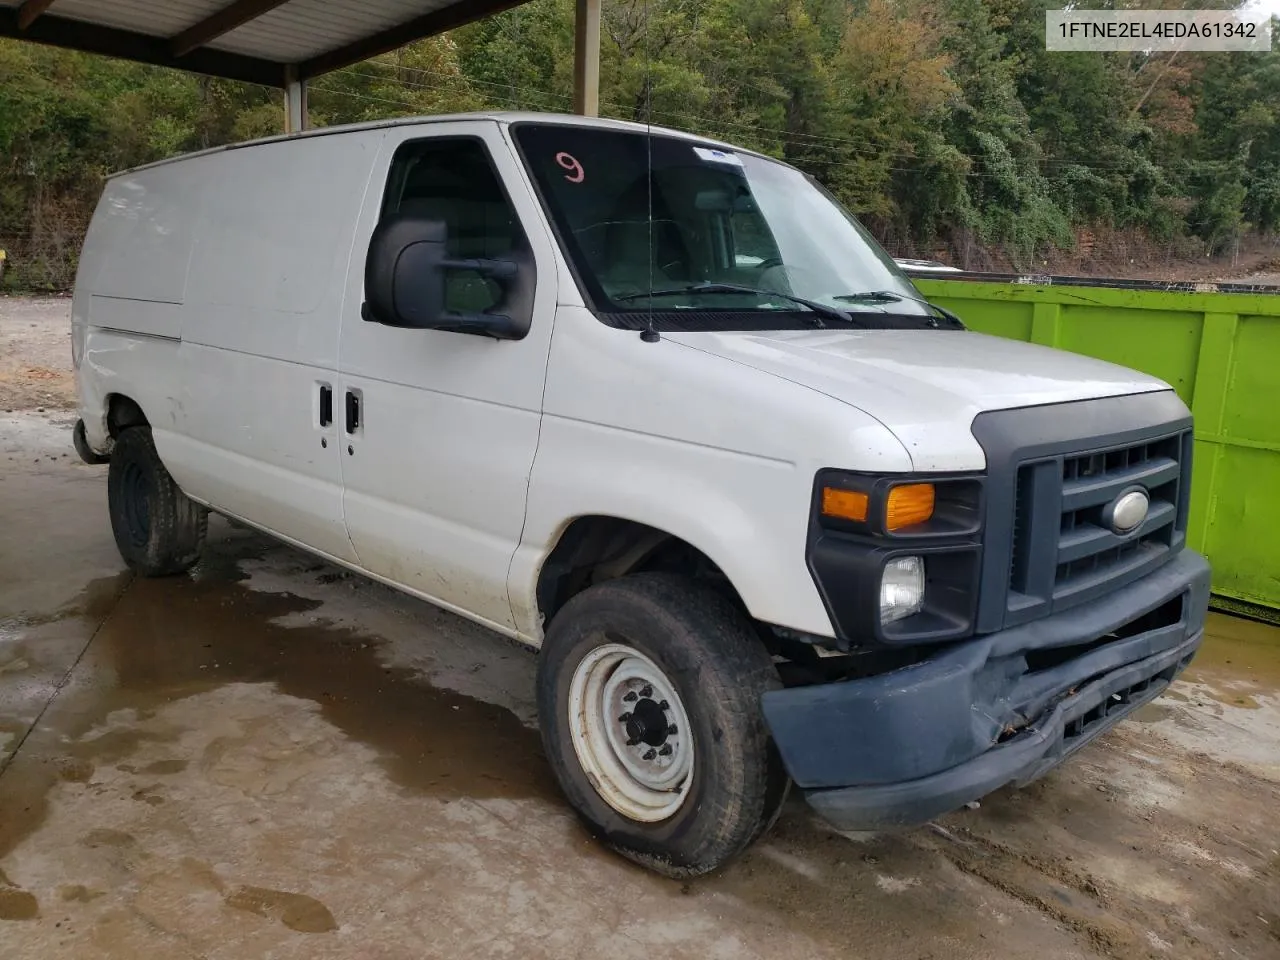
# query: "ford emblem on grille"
1126,512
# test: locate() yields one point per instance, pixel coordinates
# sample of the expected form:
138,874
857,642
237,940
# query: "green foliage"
942,123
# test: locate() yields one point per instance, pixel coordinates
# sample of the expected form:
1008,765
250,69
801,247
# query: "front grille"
1086,546
1063,551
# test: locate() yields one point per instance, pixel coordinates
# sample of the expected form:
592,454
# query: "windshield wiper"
870,296
820,310
888,296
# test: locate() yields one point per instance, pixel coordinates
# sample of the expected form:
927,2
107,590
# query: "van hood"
925,386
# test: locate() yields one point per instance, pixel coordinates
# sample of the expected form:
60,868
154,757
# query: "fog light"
901,588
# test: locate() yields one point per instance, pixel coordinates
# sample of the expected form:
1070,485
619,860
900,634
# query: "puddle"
296,911
1244,649
1153,713
176,637
78,893
93,603
16,903
1238,661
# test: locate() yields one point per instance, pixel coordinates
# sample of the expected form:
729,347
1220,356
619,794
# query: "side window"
454,180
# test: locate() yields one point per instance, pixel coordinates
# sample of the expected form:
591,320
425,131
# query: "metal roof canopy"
271,42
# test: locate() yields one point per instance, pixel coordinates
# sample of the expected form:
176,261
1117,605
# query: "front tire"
159,531
649,693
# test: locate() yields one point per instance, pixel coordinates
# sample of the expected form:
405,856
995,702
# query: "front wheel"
649,699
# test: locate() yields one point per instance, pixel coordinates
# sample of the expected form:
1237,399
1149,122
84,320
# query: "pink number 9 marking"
576,174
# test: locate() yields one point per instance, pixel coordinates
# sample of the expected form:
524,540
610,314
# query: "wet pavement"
273,757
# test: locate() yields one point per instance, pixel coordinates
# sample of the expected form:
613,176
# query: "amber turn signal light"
908,504
844,504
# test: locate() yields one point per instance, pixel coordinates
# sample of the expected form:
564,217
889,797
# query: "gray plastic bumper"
899,748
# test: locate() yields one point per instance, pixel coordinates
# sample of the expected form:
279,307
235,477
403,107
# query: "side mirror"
405,276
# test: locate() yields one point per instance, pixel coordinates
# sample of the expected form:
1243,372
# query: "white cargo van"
662,408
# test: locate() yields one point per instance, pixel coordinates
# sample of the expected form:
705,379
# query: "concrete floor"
273,758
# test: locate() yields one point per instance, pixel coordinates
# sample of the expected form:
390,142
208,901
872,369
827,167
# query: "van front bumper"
900,748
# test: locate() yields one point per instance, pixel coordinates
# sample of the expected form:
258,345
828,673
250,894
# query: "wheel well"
595,549
123,413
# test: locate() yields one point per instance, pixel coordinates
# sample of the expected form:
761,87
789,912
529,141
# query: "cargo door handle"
353,411
326,405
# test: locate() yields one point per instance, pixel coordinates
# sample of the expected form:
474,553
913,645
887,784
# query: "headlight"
901,588
871,537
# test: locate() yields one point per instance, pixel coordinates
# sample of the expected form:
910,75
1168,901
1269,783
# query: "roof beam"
31,9
111,42
427,25
215,25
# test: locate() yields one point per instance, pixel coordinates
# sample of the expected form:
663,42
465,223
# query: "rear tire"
723,782
159,531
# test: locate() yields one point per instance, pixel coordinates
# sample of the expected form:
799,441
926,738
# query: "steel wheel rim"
617,693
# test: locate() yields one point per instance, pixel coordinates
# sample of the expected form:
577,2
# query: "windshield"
659,243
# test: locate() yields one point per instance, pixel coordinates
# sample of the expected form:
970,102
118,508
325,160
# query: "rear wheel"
158,529
649,698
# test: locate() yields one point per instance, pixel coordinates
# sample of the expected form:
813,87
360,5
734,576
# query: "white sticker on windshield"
718,156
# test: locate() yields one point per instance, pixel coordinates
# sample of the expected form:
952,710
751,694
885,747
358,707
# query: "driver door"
440,428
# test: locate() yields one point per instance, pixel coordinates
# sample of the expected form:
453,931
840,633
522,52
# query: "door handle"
326,405
353,411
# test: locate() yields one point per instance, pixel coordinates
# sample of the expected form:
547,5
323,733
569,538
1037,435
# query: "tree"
892,91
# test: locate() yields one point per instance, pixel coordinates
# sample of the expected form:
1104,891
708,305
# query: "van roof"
494,116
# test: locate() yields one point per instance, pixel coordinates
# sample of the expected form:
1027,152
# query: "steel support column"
295,103
586,59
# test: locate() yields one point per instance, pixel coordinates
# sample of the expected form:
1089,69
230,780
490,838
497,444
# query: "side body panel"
260,334
126,313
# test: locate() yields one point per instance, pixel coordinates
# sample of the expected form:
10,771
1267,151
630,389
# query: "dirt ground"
271,757
35,353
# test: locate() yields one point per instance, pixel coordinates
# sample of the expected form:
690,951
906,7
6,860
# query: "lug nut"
646,691
633,742
624,718
650,753
630,697
663,705
665,751
672,731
